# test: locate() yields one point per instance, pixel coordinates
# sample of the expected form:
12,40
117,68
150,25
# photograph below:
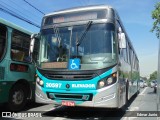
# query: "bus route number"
53,85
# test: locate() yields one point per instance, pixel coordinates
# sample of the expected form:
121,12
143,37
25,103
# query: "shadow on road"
31,105
28,106
89,113
151,92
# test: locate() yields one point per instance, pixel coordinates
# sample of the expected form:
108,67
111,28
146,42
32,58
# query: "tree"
144,78
153,76
156,17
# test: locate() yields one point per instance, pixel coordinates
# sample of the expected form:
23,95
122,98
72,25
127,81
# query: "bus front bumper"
106,98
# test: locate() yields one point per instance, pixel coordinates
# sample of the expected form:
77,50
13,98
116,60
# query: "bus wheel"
17,98
126,93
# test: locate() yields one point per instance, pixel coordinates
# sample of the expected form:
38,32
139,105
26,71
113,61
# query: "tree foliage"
156,18
144,78
153,76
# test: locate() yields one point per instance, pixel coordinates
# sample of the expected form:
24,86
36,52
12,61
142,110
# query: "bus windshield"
96,51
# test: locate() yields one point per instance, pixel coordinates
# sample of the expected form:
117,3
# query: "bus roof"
83,8
12,25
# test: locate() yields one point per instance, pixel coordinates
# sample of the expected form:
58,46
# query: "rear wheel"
127,92
155,90
17,98
138,90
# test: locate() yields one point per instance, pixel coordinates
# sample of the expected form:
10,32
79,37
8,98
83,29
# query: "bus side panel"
107,97
125,86
4,90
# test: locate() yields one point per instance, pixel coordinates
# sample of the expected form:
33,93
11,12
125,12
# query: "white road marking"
142,93
58,118
133,108
50,109
53,108
129,118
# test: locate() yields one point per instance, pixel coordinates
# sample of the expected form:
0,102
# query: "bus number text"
53,85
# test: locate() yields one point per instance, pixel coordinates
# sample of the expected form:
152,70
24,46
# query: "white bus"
85,59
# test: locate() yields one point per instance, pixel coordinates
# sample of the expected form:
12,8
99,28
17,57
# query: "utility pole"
158,80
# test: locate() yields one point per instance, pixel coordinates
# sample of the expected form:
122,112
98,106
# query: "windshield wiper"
79,41
84,33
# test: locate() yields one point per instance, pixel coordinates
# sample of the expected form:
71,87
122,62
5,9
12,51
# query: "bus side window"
20,46
3,33
19,56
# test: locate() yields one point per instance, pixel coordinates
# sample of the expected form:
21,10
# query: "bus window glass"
129,55
133,62
98,46
124,54
3,34
20,46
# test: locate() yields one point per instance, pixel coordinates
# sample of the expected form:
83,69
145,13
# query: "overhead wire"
34,7
16,10
12,13
28,11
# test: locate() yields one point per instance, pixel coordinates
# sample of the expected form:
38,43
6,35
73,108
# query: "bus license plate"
68,103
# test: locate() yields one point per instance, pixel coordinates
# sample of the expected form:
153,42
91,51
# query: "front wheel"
17,98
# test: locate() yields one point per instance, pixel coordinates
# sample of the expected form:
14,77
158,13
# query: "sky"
135,15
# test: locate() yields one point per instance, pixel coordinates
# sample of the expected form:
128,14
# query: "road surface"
146,100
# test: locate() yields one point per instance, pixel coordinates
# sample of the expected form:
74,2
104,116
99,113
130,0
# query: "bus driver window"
53,49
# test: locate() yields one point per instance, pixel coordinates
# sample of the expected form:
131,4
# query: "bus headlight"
107,81
39,81
101,83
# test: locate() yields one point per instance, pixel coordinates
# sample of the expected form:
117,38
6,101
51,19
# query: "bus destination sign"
74,16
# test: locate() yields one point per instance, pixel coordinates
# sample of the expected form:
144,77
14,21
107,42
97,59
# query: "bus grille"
70,76
2,70
65,96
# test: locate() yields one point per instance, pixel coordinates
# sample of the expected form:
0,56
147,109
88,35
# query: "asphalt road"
146,100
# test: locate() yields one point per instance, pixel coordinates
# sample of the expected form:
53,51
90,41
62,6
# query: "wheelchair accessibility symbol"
74,64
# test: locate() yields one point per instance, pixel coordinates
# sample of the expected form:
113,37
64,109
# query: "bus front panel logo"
67,86
74,64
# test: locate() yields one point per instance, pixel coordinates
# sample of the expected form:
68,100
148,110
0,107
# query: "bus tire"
137,93
17,98
127,93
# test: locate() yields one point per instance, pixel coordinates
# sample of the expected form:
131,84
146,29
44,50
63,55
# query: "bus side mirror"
31,48
31,44
122,40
